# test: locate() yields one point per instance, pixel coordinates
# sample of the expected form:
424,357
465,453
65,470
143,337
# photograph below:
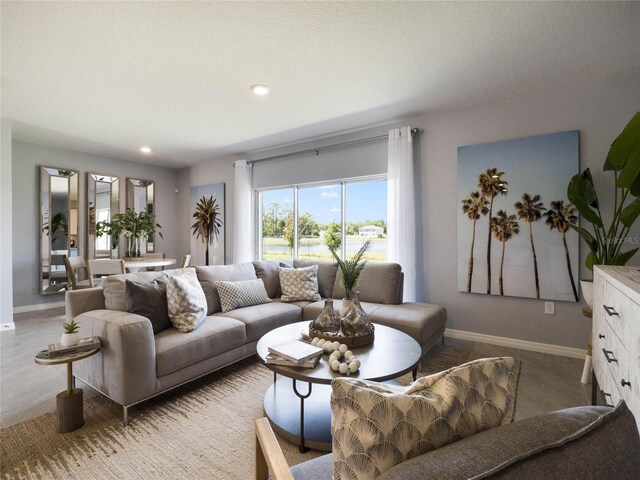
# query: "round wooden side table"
69,403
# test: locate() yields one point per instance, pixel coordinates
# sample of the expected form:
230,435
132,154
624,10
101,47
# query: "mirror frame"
45,226
114,207
149,186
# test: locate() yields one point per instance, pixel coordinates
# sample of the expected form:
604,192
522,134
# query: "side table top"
392,354
42,357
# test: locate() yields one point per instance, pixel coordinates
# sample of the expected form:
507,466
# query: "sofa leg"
443,339
414,373
125,416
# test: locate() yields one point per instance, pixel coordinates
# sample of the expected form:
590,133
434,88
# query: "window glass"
366,218
319,217
277,224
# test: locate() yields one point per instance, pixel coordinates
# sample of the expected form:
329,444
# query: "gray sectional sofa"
135,365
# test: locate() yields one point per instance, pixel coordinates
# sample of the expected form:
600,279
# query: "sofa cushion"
419,320
150,301
580,442
260,319
320,468
241,294
227,273
327,272
267,271
186,303
114,288
175,350
376,426
380,282
299,283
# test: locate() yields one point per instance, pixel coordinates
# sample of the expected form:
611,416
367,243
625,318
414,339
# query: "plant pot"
587,291
70,339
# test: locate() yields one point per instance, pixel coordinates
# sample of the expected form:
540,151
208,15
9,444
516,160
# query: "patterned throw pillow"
376,426
241,294
186,302
299,284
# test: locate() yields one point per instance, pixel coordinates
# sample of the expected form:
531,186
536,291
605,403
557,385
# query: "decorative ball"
336,354
314,341
335,365
328,347
321,342
336,345
353,367
348,354
355,362
343,349
344,368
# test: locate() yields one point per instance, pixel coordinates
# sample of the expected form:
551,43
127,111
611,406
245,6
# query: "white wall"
6,253
27,159
599,109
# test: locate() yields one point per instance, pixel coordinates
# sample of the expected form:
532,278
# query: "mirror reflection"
140,198
58,226
103,196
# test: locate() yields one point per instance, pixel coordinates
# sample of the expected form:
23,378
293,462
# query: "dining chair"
155,256
73,266
186,261
104,267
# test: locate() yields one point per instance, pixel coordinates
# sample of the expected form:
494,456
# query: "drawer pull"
601,336
610,311
605,394
624,383
608,354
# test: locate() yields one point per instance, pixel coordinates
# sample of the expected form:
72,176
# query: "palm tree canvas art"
207,224
513,214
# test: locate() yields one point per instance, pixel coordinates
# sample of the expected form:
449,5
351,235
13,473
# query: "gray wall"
599,109
6,253
26,161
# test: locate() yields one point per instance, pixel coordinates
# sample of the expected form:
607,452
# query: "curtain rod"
316,150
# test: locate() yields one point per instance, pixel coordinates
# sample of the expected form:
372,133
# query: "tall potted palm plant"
607,238
207,223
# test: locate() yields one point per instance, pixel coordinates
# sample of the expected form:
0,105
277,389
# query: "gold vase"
328,321
355,321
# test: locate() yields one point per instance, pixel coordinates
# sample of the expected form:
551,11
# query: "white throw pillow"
241,294
376,426
186,303
299,284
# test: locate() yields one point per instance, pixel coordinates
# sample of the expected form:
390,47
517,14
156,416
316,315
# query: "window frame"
343,182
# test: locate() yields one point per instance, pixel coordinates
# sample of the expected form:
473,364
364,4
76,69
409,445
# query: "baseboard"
38,307
515,343
5,327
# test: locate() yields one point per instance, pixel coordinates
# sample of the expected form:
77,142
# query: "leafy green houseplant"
132,226
351,269
607,238
70,337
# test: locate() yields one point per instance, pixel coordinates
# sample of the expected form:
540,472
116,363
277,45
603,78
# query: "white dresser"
616,335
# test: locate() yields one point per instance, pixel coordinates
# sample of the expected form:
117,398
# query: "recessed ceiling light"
146,150
259,89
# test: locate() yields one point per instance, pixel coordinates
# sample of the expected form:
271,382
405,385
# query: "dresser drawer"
619,311
611,362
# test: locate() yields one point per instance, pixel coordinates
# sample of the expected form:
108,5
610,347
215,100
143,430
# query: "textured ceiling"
107,77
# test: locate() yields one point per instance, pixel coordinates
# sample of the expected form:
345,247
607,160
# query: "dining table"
133,266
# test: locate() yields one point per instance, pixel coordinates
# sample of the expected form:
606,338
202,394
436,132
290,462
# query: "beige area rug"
200,430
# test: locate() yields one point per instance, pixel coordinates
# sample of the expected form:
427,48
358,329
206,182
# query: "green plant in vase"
132,226
70,337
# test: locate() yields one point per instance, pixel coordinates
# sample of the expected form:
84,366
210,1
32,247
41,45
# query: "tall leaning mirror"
140,198
58,226
103,200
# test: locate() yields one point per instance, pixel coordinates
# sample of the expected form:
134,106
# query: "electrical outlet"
550,308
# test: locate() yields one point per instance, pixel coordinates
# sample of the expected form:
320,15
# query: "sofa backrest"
228,273
380,282
327,272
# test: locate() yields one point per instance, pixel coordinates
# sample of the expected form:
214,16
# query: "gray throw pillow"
241,294
299,284
149,300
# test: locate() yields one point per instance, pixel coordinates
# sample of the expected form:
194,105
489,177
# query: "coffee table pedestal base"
69,408
282,408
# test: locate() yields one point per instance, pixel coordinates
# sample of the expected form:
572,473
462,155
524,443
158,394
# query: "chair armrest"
269,456
125,368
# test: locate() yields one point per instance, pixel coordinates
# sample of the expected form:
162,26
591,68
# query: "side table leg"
302,448
70,378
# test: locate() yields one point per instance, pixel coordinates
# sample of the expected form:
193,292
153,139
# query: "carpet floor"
200,430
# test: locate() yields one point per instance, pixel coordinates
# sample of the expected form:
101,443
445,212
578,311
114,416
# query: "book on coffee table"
274,359
296,351
84,345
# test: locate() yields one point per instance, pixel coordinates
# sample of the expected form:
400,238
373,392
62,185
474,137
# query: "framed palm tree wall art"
207,224
513,215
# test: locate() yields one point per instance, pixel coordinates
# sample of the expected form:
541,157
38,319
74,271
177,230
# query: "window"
304,221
